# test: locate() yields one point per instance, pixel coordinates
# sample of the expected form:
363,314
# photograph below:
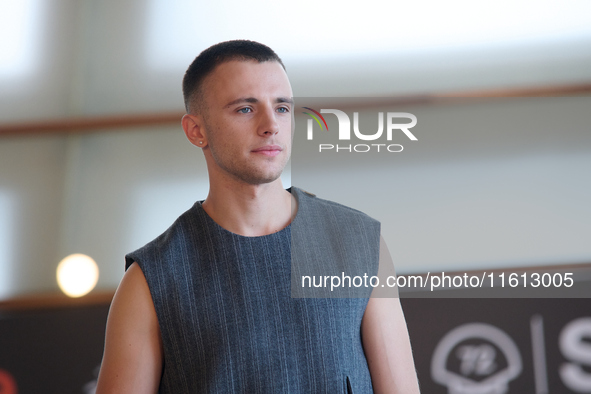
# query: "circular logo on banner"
7,383
476,358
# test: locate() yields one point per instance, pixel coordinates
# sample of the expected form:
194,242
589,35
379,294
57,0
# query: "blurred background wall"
471,193
93,160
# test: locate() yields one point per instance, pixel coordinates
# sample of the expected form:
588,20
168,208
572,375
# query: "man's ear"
193,127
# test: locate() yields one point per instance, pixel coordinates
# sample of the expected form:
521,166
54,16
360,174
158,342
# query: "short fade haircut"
209,59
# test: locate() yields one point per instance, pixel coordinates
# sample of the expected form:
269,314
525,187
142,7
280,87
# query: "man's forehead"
248,78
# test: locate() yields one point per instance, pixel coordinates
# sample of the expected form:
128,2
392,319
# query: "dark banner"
495,346
461,346
52,351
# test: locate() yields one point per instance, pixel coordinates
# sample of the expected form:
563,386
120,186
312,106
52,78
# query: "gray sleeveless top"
228,321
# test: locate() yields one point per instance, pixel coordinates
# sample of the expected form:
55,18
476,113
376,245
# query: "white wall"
31,190
488,184
111,57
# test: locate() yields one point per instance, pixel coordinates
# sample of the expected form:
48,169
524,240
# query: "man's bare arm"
132,362
385,336
387,347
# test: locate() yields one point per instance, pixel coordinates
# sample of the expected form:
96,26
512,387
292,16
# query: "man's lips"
268,150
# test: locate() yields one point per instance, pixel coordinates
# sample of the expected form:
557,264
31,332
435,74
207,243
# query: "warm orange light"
77,275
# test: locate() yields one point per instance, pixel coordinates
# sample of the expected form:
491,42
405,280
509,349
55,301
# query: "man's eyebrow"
252,100
287,100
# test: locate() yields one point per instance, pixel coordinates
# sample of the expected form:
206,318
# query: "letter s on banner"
574,348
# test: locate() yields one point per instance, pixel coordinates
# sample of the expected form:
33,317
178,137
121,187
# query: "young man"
207,307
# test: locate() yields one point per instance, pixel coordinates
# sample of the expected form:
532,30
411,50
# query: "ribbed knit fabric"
227,318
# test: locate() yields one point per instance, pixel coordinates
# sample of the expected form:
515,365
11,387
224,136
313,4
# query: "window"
19,38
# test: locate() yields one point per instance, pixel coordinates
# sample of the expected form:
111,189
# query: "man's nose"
268,124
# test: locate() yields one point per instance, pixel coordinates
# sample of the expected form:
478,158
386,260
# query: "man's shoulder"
329,206
169,239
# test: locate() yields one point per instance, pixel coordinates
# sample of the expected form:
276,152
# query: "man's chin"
266,177
260,179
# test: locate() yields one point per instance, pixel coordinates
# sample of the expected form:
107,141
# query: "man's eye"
245,110
283,109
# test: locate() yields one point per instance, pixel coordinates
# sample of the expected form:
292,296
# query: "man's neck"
250,210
